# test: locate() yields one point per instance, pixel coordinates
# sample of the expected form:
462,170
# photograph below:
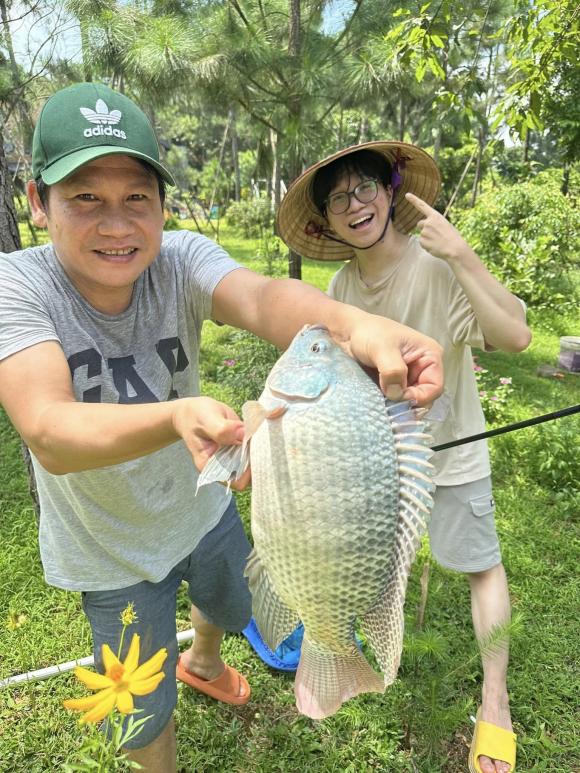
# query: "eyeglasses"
364,192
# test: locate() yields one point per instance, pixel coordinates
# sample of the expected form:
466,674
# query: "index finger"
419,204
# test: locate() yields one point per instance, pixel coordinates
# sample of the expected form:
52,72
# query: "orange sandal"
229,687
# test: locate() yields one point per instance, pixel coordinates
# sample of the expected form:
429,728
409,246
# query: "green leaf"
437,41
420,70
436,68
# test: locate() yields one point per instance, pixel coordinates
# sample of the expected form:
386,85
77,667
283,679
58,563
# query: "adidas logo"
104,120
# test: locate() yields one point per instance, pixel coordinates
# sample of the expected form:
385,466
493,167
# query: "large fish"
341,491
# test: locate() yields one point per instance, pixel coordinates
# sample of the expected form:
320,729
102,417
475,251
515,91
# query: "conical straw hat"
299,220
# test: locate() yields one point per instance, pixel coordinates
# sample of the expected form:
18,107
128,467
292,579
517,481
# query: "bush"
494,394
251,216
451,163
527,234
244,371
546,455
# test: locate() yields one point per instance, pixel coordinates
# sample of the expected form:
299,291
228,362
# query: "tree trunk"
402,116
437,143
477,175
219,167
85,48
10,241
295,110
235,158
9,234
565,179
18,100
275,170
362,129
526,156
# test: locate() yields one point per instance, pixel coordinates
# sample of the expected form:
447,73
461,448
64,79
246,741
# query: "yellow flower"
128,615
15,620
119,682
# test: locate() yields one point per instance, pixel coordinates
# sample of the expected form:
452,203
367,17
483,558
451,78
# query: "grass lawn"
422,722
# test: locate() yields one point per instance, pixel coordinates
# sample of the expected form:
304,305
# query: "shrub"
527,234
244,371
251,216
552,455
546,455
494,392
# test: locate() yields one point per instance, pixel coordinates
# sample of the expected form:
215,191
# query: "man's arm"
408,362
70,436
499,313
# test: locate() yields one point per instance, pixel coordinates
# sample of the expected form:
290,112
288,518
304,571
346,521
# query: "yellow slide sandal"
491,741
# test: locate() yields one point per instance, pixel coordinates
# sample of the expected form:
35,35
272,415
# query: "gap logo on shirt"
128,383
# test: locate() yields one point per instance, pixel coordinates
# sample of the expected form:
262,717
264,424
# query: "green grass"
421,723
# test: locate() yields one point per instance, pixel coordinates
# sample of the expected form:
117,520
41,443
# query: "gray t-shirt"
118,525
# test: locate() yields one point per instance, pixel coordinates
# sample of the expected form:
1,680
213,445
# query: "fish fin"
384,623
224,466
230,462
325,680
275,619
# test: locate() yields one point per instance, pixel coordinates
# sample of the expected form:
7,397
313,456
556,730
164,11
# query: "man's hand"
409,363
437,235
276,309
204,425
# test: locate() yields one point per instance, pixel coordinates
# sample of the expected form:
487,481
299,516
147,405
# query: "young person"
360,205
99,349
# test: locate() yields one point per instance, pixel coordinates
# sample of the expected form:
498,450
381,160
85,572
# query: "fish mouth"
297,397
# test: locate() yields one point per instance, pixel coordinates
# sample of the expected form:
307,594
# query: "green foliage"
494,394
271,256
550,455
542,43
452,163
211,182
245,369
528,236
99,754
421,723
172,224
251,217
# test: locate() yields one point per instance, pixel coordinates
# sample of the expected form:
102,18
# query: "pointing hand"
437,235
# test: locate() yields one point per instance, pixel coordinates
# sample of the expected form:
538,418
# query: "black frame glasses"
365,192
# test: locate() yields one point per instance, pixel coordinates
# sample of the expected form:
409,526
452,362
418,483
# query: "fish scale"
341,492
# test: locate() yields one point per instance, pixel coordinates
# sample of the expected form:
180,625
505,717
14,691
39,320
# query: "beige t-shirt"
422,292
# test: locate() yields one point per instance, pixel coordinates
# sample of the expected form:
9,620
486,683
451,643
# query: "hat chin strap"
395,183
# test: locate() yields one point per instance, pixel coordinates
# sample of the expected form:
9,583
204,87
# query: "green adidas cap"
87,121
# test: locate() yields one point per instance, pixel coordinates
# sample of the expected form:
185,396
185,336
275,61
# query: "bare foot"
495,709
205,667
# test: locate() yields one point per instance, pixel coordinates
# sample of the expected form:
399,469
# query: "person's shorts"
462,531
216,586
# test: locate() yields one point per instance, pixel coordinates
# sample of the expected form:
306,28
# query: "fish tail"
325,680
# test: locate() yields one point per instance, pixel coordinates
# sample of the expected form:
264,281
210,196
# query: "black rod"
510,427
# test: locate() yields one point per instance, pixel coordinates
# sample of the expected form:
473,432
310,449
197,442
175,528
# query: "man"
99,347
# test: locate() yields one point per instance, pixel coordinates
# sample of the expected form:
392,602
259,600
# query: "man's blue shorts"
216,586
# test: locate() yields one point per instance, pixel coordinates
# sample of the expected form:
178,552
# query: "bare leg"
160,755
203,657
490,607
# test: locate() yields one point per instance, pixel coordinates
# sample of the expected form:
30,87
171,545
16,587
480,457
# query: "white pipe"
61,668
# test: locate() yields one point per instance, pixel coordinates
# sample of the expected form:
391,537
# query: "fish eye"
318,346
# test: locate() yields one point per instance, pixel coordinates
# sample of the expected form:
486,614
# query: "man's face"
361,224
105,222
